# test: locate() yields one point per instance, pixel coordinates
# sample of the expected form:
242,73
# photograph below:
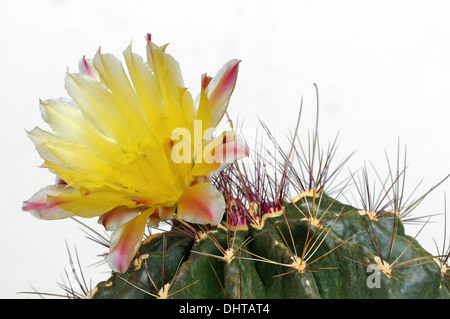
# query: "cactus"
268,246
273,227
263,265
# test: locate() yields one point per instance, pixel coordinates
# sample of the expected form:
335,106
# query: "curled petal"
231,149
118,216
40,207
220,153
205,81
201,204
126,240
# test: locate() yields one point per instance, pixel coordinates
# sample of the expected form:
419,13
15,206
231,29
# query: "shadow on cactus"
277,224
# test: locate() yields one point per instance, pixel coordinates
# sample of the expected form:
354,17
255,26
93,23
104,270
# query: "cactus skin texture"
333,253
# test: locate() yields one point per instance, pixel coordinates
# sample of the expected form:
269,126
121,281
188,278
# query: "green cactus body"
315,247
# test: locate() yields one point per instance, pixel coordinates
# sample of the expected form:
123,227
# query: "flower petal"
205,81
118,216
70,124
161,214
93,204
39,137
219,91
81,159
126,240
170,80
86,67
72,178
113,76
230,150
220,153
83,203
146,85
201,204
39,206
100,106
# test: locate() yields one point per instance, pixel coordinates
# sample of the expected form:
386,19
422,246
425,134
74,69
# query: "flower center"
134,149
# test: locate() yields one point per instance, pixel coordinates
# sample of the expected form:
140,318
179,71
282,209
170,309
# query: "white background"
382,68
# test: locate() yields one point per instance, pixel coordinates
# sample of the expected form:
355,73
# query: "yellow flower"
135,149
